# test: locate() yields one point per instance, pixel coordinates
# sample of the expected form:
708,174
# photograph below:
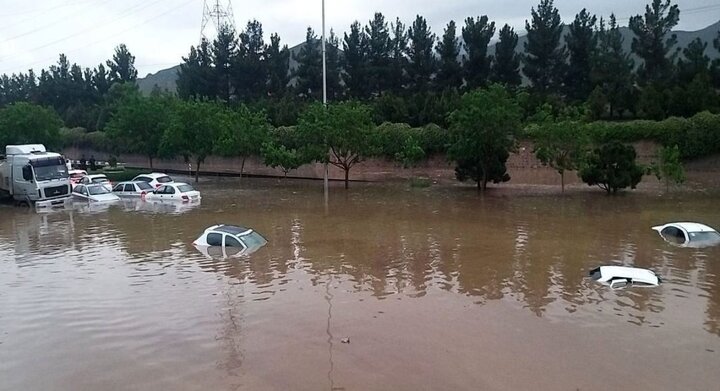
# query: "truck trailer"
31,175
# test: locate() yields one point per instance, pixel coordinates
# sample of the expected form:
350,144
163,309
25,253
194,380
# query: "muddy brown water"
436,289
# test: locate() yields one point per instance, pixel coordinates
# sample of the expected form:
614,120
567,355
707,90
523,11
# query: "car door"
118,189
81,192
170,192
130,189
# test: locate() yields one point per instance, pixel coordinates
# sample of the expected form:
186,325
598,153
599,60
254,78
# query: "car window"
97,190
164,179
185,188
232,242
100,180
143,179
129,187
169,190
143,186
79,189
118,188
254,239
214,239
673,234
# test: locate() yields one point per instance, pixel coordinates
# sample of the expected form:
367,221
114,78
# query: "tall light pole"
324,77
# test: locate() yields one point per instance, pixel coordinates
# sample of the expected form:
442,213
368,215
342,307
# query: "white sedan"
688,234
224,241
94,193
96,179
175,191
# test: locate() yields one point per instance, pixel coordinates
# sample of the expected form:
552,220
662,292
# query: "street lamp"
324,77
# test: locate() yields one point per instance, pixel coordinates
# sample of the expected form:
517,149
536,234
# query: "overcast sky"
160,32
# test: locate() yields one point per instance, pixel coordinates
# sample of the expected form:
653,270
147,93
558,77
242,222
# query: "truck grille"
56,191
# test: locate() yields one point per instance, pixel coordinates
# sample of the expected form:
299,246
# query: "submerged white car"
93,193
175,191
96,179
685,234
618,277
229,241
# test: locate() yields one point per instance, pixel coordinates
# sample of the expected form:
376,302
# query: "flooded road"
436,289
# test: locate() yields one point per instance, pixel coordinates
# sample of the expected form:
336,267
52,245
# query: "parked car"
176,191
618,277
228,241
155,179
686,234
96,179
94,193
76,176
132,189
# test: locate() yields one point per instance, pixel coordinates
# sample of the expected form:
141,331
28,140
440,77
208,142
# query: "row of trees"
483,132
582,62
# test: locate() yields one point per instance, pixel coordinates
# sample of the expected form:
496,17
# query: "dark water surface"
435,288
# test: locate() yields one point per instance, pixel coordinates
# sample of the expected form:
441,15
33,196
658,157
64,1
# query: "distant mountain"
166,79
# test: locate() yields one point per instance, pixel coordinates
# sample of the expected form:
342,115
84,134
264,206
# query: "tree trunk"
242,167
482,185
197,172
562,181
347,179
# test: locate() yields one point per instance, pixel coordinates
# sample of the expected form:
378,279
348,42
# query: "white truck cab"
30,174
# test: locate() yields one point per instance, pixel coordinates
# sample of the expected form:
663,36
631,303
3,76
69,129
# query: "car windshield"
97,190
185,188
164,179
143,185
50,168
253,240
100,180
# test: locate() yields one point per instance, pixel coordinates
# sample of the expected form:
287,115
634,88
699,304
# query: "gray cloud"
160,32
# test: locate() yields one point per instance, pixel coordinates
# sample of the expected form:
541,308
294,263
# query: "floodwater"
436,289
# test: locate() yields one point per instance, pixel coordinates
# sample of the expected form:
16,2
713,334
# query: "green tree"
560,145
341,134
309,67
476,63
653,103
581,42
612,167
448,50
278,66
378,54
224,57
506,62
101,80
122,66
282,149
251,70
193,131
694,61
669,168
398,58
483,133
333,60
242,134
422,63
612,68
355,61
26,123
545,57
138,123
653,40
196,76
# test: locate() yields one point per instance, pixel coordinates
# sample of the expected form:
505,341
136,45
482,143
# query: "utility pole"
324,77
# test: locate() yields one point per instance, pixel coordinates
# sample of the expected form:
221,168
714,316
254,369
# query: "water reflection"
375,245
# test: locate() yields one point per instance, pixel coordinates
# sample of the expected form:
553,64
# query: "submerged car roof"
687,226
606,273
230,229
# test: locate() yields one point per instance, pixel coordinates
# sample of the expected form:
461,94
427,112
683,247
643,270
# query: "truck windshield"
49,168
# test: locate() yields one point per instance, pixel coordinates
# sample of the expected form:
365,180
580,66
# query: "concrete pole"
324,70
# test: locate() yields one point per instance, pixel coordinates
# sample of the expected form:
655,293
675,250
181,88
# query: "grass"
119,176
420,182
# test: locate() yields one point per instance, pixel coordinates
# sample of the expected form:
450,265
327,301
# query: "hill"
165,79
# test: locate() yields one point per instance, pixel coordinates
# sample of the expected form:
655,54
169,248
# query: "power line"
134,9
46,26
148,20
44,10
